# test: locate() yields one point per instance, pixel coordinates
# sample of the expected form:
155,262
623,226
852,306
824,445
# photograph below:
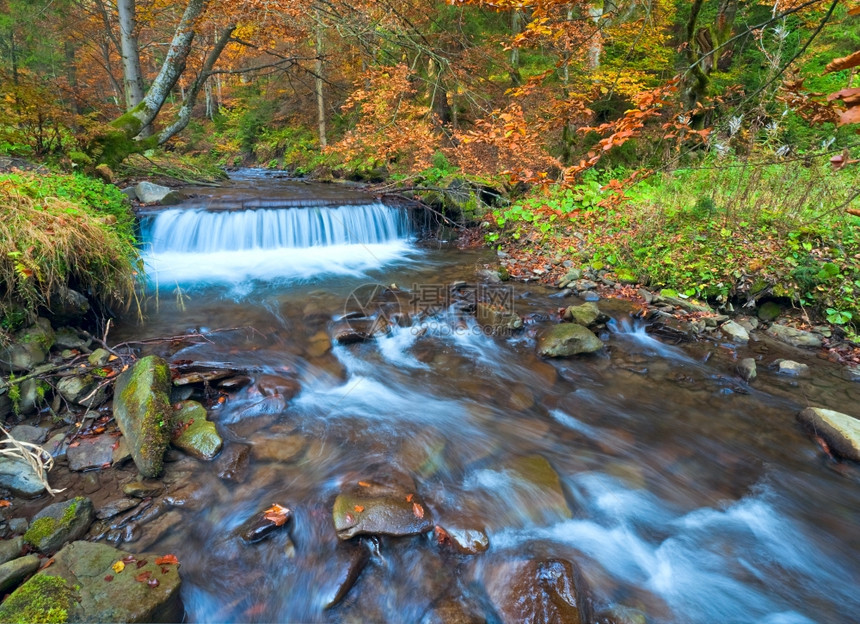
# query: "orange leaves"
277,514
418,510
167,560
846,62
851,99
358,508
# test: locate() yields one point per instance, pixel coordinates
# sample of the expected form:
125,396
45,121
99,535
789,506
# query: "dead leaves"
167,560
846,62
277,514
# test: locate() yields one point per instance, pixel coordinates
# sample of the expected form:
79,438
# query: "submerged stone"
142,410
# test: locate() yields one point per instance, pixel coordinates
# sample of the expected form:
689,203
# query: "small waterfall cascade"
186,230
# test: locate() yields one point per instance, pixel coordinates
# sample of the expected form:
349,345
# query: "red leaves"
109,578
143,576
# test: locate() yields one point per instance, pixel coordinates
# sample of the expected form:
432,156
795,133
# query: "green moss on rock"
40,529
42,600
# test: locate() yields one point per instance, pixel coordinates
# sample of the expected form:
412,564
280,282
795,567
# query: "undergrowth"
63,231
727,230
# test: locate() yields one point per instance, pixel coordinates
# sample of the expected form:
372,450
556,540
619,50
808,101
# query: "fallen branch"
34,455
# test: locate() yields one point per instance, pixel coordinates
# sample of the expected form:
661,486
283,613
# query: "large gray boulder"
149,193
840,431
90,582
141,406
567,339
18,477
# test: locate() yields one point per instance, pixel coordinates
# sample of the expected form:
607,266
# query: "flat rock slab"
384,504
794,337
83,583
18,477
28,433
89,453
840,431
60,523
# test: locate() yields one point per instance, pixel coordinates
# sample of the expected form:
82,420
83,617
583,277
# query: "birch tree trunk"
319,82
131,72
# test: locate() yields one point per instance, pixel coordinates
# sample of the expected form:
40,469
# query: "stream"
682,492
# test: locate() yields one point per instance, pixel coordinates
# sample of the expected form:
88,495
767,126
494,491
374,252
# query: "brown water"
693,496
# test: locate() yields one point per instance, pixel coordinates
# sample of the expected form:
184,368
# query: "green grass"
64,231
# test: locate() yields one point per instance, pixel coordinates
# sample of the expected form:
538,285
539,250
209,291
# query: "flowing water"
688,494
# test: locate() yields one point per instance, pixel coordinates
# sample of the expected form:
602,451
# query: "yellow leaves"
118,567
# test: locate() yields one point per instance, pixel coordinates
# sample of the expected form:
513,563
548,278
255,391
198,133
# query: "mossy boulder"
83,586
15,571
567,339
141,406
586,314
60,523
194,433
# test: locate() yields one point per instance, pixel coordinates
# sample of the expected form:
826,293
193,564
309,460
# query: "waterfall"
188,245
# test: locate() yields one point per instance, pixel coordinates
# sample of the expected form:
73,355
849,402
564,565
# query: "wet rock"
260,526
57,445
454,610
747,369
466,541
19,526
275,386
29,347
149,193
280,449
196,435
769,311
116,507
18,477
687,304
586,314
68,306
28,433
319,345
540,591
11,549
232,464
621,615
358,330
121,452
235,383
489,276
792,368
89,453
570,277
385,503
591,296
191,495
794,337
69,338
497,319
201,376
840,431
158,528
350,562
735,332
83,584
544,497
142,489
14,572
567,339
142,411
60,523
99,357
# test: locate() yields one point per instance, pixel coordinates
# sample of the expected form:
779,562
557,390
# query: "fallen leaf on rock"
409,498
359,509
5,503
128,559
109,578
141,563
118,567
143,576
167,559
364,484
277,514
47,564
418,510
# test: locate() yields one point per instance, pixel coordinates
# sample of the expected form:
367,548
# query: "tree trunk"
190,98
516,28
318,82
145,113
595,42
131,72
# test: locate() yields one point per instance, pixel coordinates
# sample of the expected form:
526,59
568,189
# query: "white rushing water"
188,245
